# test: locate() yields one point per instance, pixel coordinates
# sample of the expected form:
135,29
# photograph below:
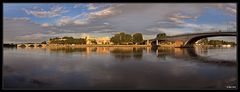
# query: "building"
178,43
89,40
103,40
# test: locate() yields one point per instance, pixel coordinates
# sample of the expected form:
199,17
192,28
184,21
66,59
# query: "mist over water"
119,68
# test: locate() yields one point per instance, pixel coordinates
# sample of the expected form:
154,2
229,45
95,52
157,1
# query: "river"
120,68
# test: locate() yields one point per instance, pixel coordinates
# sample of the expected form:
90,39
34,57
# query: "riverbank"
98,45
79,46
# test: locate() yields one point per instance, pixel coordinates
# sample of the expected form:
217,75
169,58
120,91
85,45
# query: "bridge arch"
191,41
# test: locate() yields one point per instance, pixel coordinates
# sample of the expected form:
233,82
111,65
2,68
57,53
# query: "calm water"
119,68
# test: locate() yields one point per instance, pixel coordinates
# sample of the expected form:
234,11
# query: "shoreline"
76,46
81,46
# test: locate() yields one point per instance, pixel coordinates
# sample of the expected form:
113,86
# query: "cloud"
228,7
63,21
91,7
31,36
40,13
67,21
231,9
14,28
104,12
80,22
168,31
178,18
77,5
86,17
45,25
21,18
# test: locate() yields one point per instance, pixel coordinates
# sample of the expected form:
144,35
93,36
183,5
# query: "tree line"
118,39
67,40
125,39
220,42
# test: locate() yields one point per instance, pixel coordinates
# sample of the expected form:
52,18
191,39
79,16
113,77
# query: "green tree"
128,38
121,38
161,35
137,38
67,38
115,39
203,41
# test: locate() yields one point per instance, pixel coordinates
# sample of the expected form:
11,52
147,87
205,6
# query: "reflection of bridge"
188,40
190,54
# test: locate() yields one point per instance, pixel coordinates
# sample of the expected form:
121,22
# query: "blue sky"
37,22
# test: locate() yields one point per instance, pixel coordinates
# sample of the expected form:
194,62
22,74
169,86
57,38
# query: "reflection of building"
178,52
148,49
103,50
103,40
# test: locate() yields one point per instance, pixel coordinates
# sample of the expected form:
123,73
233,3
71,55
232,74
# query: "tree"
67,37
127,38
115,39
94,42
44,42
137,38
203,41
161,35
121,38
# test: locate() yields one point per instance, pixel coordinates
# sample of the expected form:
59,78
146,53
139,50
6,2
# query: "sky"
37,22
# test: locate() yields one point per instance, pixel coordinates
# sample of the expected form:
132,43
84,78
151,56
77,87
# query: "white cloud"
63,21
67,20
91,7
32,36
77,5
104,12
169,31
21,18
85,18
53,12
106,23
178,18
45,25
229,7
80,22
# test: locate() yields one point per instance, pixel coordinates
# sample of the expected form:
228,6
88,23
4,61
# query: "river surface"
120,68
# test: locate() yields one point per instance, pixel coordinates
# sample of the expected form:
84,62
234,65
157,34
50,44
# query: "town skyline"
33,22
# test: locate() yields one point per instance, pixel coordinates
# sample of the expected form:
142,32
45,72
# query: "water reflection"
96,68
124,53
192,53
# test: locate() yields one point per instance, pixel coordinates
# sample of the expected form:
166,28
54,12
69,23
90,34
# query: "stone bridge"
33,45
188,40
